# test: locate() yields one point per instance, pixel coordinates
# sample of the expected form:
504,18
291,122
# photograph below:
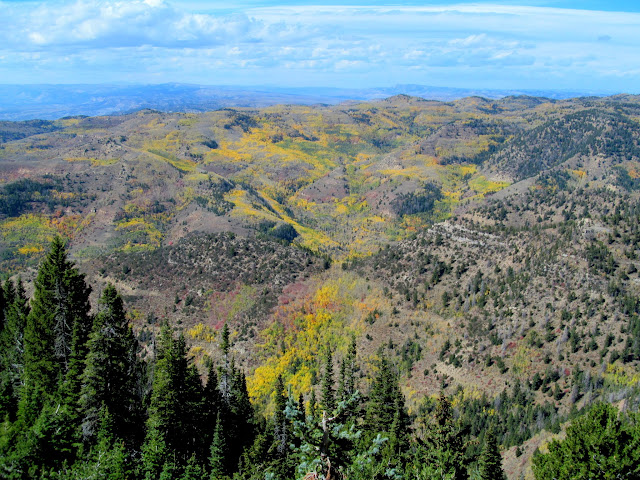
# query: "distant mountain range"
49,102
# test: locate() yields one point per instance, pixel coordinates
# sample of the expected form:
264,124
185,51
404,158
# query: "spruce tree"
16,309
111,375
490,463
59,311
385,410
328,394
218,451
212,404
193,470
444,450
281,432
240,423
175,410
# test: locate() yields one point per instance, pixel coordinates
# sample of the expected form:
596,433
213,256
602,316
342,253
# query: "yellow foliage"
96,162
622,375
483,186
138,224
63,195
202,332
30,249
341,209
295,341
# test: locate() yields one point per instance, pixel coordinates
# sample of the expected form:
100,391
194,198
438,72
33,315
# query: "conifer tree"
385,411
59,311
347,383
175,411
193,470
328,394
281,432
111,376
240,424
218,451
212,404
313,405
16,309
490,463
225,380
443,451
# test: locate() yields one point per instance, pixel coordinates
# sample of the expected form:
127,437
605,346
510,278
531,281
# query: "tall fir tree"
385,410
175,410
347,382
328,394
112,374
212,404
59,312
218,451
281,433
490,462
16,309
443,450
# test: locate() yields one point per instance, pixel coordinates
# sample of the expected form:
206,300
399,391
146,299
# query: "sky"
583,45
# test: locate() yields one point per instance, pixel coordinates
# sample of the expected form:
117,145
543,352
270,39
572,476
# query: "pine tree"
218,451
225,345
600,444
175,412
240,424
16,309
490,463
328,394
193,470
212,405
385,411
281,432
111,376
313,405
59,311
443,449
385,415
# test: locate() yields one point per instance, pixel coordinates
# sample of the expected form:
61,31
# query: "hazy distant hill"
49,102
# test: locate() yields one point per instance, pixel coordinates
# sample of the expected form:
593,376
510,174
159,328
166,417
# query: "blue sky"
581,45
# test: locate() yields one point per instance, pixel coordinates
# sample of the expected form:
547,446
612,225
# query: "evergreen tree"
490,463
599,444
111,377
385,410
240,424
108,459
313,405
328,394
175,410
212,404
281,433
16,309
386,415
442,454
59,311
225,345
218,452
347,381
193,470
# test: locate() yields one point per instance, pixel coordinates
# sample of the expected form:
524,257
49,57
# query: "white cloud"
184,41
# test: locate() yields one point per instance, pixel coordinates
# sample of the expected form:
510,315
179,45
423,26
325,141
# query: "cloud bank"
461,45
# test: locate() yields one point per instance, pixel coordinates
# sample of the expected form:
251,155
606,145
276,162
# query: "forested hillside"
395,289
